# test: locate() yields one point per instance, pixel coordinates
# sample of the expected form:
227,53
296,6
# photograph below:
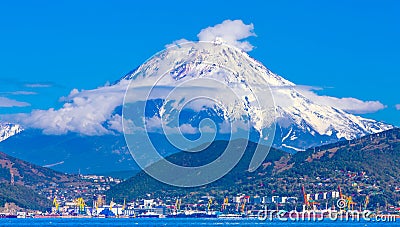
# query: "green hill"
31,175
141,184
366,166
21,182
22,197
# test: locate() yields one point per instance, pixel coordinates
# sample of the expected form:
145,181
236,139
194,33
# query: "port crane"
245,198
112,203
80,204
349,199
305,199
100,201
366,202
225,204
308,203
56,204
178,204
124,206
209,204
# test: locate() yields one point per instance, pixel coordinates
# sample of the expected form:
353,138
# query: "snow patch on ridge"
7,130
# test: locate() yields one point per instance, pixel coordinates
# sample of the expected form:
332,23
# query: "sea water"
180,222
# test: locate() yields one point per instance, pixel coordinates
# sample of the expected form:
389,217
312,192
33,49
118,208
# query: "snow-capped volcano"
8,129
89,125
300,121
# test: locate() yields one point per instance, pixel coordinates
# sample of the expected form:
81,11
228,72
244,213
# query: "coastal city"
91,202
337,191
204,113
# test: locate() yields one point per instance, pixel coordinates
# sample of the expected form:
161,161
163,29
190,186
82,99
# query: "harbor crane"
308,203
178,204
349,199
56,204
80,204
225,204
209,204
245,198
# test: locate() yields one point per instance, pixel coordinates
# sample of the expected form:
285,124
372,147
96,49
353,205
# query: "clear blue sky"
351,48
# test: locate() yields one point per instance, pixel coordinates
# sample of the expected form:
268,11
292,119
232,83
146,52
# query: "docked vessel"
8,216
193,214
150,215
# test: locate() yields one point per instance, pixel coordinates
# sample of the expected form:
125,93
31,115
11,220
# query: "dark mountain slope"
142,184
366,166
21,182
23,197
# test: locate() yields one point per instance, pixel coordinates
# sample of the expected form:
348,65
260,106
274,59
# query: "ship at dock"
310,208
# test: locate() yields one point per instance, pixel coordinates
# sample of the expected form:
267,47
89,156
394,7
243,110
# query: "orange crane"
309,203
349,200
99,201
341,196
305,199
245,198
350,203
366,202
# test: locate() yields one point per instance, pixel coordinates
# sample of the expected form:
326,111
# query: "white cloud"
54,164
88,112
19,93
348,104
188,129
91,112
115,123
6,102
155,124
397,107
231,31
177,43
38,85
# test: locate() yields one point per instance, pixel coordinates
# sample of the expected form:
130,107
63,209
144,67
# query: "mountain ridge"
301,123
366,166
8,130
297,115
27,184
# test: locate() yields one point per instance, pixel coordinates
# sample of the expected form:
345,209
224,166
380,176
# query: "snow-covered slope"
7,130
301,123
